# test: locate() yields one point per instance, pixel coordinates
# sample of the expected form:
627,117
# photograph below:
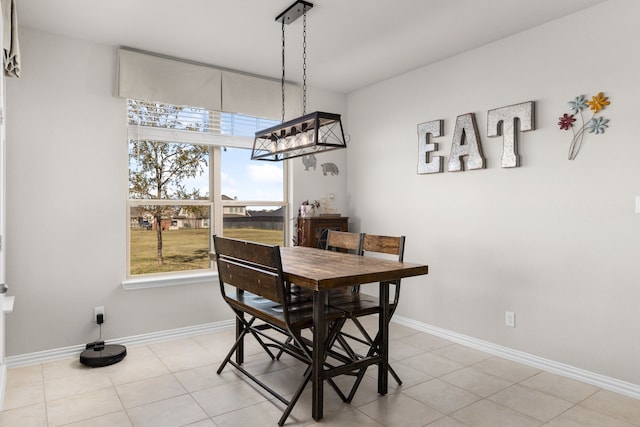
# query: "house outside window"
190,176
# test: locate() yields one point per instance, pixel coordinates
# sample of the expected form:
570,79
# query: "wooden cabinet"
312,231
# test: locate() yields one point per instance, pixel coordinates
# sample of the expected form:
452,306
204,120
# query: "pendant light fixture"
308,134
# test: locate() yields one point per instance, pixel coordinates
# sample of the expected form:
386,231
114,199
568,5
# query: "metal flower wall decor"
596,125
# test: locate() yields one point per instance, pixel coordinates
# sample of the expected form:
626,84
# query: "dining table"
321,271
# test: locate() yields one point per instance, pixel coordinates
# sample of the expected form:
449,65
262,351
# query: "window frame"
215,202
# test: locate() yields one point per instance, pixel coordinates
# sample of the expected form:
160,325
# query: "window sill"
169,280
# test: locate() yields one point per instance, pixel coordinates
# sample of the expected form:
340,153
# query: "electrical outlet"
510,319
96,311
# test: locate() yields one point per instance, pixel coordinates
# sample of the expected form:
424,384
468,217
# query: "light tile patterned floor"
174,383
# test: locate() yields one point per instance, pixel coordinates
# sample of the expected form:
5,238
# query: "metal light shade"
308,134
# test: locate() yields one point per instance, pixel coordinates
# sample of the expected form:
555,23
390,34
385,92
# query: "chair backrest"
389,245
251,267
345,241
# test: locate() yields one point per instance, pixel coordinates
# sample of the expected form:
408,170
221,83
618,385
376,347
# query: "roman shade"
259,97
141,75
11,47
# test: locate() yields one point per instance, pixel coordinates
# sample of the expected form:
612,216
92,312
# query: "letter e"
433,128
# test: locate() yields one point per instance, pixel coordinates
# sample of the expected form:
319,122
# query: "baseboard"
607,383
74,351
604,382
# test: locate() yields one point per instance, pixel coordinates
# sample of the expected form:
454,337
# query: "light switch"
638,204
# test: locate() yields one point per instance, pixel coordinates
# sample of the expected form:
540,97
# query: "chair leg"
262,344
287,342
362,330
234,347
339,392
346,347
296,338
306,377
295,397
293,340
355,385
360,377
395,376
372,350
391,371
244,328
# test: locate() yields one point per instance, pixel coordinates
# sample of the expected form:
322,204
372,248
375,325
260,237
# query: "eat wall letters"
466,148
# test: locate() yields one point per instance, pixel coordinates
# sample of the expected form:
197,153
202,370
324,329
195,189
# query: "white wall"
311,183
67,159
556,241
66,204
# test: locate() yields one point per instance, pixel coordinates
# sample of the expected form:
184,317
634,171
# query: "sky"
244,178
250,179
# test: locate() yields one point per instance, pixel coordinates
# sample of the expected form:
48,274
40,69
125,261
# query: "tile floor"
174,383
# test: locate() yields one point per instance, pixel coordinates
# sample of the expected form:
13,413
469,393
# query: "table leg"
320,302
240,348
383,366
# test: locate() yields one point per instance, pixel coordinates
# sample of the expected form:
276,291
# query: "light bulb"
304,139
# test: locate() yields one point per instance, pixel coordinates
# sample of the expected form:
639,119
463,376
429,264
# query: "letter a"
466,143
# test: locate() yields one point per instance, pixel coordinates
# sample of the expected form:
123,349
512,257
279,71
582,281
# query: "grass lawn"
270,237
186,248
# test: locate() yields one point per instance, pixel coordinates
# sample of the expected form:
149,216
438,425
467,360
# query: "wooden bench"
251,283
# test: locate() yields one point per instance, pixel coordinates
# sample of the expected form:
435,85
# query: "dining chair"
339,241
345,241
358,304
350,242
252,284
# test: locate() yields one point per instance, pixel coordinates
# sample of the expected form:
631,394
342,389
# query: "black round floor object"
103,355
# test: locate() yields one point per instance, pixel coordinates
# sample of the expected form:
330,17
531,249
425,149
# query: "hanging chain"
304,61
282,80
304,65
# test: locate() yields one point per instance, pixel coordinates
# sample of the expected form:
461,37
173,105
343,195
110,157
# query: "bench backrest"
251,267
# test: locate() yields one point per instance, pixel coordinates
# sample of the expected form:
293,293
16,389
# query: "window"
244,183
190,176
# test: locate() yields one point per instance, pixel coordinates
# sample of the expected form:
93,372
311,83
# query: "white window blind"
169,123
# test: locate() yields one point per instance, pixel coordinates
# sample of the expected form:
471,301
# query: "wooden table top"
319,269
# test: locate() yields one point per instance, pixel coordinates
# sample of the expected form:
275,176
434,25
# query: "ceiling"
350,43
